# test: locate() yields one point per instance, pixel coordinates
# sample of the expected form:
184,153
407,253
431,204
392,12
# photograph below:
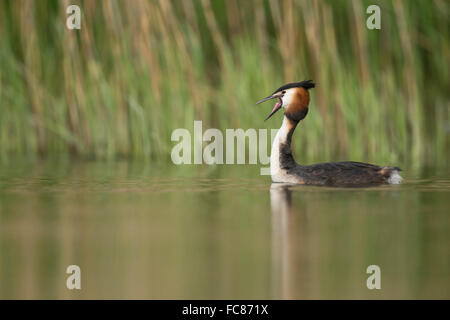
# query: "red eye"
283,91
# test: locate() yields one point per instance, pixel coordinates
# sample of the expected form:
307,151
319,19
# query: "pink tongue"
277,106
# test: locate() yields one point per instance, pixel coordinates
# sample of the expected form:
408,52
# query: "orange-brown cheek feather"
298,108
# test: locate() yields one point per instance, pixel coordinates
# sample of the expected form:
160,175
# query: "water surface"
163,232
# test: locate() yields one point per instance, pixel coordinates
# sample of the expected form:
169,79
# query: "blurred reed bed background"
137,70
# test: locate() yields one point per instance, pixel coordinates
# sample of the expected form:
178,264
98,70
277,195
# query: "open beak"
277,105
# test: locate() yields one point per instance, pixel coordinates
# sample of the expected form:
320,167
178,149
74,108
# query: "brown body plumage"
294,98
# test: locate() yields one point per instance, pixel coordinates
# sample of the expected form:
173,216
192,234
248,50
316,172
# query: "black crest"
307,84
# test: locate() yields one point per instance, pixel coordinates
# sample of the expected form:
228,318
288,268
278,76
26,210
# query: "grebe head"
293,97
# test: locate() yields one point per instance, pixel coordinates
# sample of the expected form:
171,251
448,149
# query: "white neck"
278,174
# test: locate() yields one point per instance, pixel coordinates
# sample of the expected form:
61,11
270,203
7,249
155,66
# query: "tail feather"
392,174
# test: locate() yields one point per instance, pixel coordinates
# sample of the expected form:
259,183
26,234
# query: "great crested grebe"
294,98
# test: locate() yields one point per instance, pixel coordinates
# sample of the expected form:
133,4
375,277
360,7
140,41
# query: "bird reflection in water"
287,244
